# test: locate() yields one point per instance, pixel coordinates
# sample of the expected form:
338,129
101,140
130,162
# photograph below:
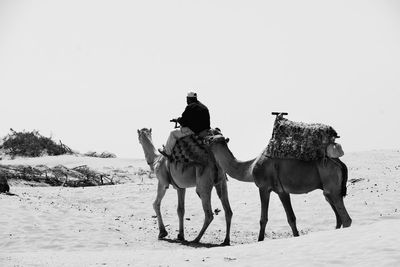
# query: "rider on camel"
194,120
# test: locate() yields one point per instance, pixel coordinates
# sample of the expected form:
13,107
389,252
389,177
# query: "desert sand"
116,226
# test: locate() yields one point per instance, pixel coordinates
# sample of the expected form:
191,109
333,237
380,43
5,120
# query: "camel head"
216,139
215,135
144,134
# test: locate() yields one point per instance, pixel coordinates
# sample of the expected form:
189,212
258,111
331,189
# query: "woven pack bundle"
298,140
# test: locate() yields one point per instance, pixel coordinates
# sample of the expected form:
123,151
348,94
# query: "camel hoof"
195,241
225,243
181,237
162,234
347,224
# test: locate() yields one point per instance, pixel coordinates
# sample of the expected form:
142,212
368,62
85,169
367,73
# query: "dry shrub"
32,144
104,154
56,176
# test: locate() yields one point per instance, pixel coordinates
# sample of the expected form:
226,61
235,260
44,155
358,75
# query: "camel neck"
149,153
239,170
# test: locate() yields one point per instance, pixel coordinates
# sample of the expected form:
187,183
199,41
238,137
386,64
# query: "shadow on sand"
8,194
191,244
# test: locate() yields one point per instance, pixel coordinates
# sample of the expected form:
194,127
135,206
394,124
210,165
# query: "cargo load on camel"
303,141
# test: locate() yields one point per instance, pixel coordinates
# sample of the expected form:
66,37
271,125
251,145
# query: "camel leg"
337,202
338,219
222,193
264,197
156,205
291,218
205,196
334,191
181,212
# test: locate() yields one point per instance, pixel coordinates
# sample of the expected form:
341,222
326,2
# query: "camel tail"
344,178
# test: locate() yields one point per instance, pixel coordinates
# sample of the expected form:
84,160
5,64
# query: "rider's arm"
184,120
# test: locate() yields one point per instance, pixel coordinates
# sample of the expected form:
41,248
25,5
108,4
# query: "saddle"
190,149
298,140
193,148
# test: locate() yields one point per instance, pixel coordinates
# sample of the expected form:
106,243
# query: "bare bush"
32,144
104,154
57,176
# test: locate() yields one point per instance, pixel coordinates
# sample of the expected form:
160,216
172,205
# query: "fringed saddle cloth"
297,140
192,149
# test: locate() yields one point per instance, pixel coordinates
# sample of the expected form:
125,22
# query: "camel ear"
227,140
150,130
138,131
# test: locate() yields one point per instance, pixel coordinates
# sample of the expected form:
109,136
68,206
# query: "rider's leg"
174,136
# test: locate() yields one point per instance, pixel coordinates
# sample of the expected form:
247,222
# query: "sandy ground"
116,225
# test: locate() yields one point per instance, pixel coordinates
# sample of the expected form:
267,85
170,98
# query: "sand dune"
116,226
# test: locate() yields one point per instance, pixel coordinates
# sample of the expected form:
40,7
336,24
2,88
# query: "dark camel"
284,177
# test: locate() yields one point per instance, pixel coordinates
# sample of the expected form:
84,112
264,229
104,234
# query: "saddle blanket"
190,149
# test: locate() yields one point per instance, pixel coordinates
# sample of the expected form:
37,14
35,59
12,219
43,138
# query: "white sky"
93,72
